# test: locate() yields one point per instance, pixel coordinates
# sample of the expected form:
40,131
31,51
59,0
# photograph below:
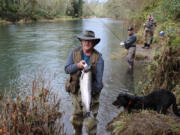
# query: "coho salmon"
85,88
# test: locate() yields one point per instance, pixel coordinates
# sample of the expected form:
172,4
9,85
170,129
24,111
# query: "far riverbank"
25,21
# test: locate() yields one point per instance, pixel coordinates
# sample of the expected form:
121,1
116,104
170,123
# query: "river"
27,49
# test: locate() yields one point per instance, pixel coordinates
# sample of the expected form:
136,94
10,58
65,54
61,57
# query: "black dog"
159,101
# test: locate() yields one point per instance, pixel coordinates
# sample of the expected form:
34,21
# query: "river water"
26,49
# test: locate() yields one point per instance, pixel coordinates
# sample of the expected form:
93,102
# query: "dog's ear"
124,99
127,97
120,96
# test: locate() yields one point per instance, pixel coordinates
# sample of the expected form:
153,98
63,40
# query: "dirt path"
145,54
142,54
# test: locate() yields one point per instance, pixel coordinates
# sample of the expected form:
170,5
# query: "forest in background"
162,10
117,9
15,10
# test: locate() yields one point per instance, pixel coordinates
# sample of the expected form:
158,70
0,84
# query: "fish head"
87,68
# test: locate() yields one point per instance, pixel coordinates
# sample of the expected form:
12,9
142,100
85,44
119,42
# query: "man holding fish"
85,66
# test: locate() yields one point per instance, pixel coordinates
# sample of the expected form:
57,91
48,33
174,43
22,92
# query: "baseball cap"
130,29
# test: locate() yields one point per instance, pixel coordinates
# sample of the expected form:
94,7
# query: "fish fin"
82,74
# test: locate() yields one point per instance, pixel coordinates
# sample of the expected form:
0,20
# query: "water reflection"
129,77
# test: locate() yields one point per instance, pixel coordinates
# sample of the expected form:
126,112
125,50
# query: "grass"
4,21
35,110
144,123
119,55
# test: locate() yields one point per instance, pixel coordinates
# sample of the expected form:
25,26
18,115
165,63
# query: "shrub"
35,110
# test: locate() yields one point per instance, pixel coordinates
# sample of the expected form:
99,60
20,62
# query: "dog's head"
122,100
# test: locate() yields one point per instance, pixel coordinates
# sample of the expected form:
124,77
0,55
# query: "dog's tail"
175,109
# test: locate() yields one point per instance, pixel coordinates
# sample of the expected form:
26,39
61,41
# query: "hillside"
163,71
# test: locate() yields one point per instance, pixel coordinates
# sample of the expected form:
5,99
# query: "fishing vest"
150,24
72,83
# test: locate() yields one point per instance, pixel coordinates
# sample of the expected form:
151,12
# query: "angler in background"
75,64
149,27
130,45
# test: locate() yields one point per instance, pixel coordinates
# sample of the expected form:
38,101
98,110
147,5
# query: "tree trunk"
80,8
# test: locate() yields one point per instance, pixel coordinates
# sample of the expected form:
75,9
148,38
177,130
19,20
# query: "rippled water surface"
28,49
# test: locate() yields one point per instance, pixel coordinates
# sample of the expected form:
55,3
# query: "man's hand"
81,64
122,43
144,25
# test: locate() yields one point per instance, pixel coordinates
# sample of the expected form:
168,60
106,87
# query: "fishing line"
105,25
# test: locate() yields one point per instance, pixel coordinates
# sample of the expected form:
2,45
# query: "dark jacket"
130,41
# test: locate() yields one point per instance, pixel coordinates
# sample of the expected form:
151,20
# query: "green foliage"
15,10
93,8
171,9
164,11
75,8
164,70
167,10
174,41
7,8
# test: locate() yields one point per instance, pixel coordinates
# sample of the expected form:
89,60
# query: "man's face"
130,32
87,45
149,16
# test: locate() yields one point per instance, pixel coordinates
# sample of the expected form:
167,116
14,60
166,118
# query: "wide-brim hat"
89,35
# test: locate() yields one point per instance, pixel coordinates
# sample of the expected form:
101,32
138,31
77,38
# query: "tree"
80,8
15,10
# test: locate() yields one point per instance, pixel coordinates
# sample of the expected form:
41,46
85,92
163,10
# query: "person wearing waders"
75,63
130,45
149,27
